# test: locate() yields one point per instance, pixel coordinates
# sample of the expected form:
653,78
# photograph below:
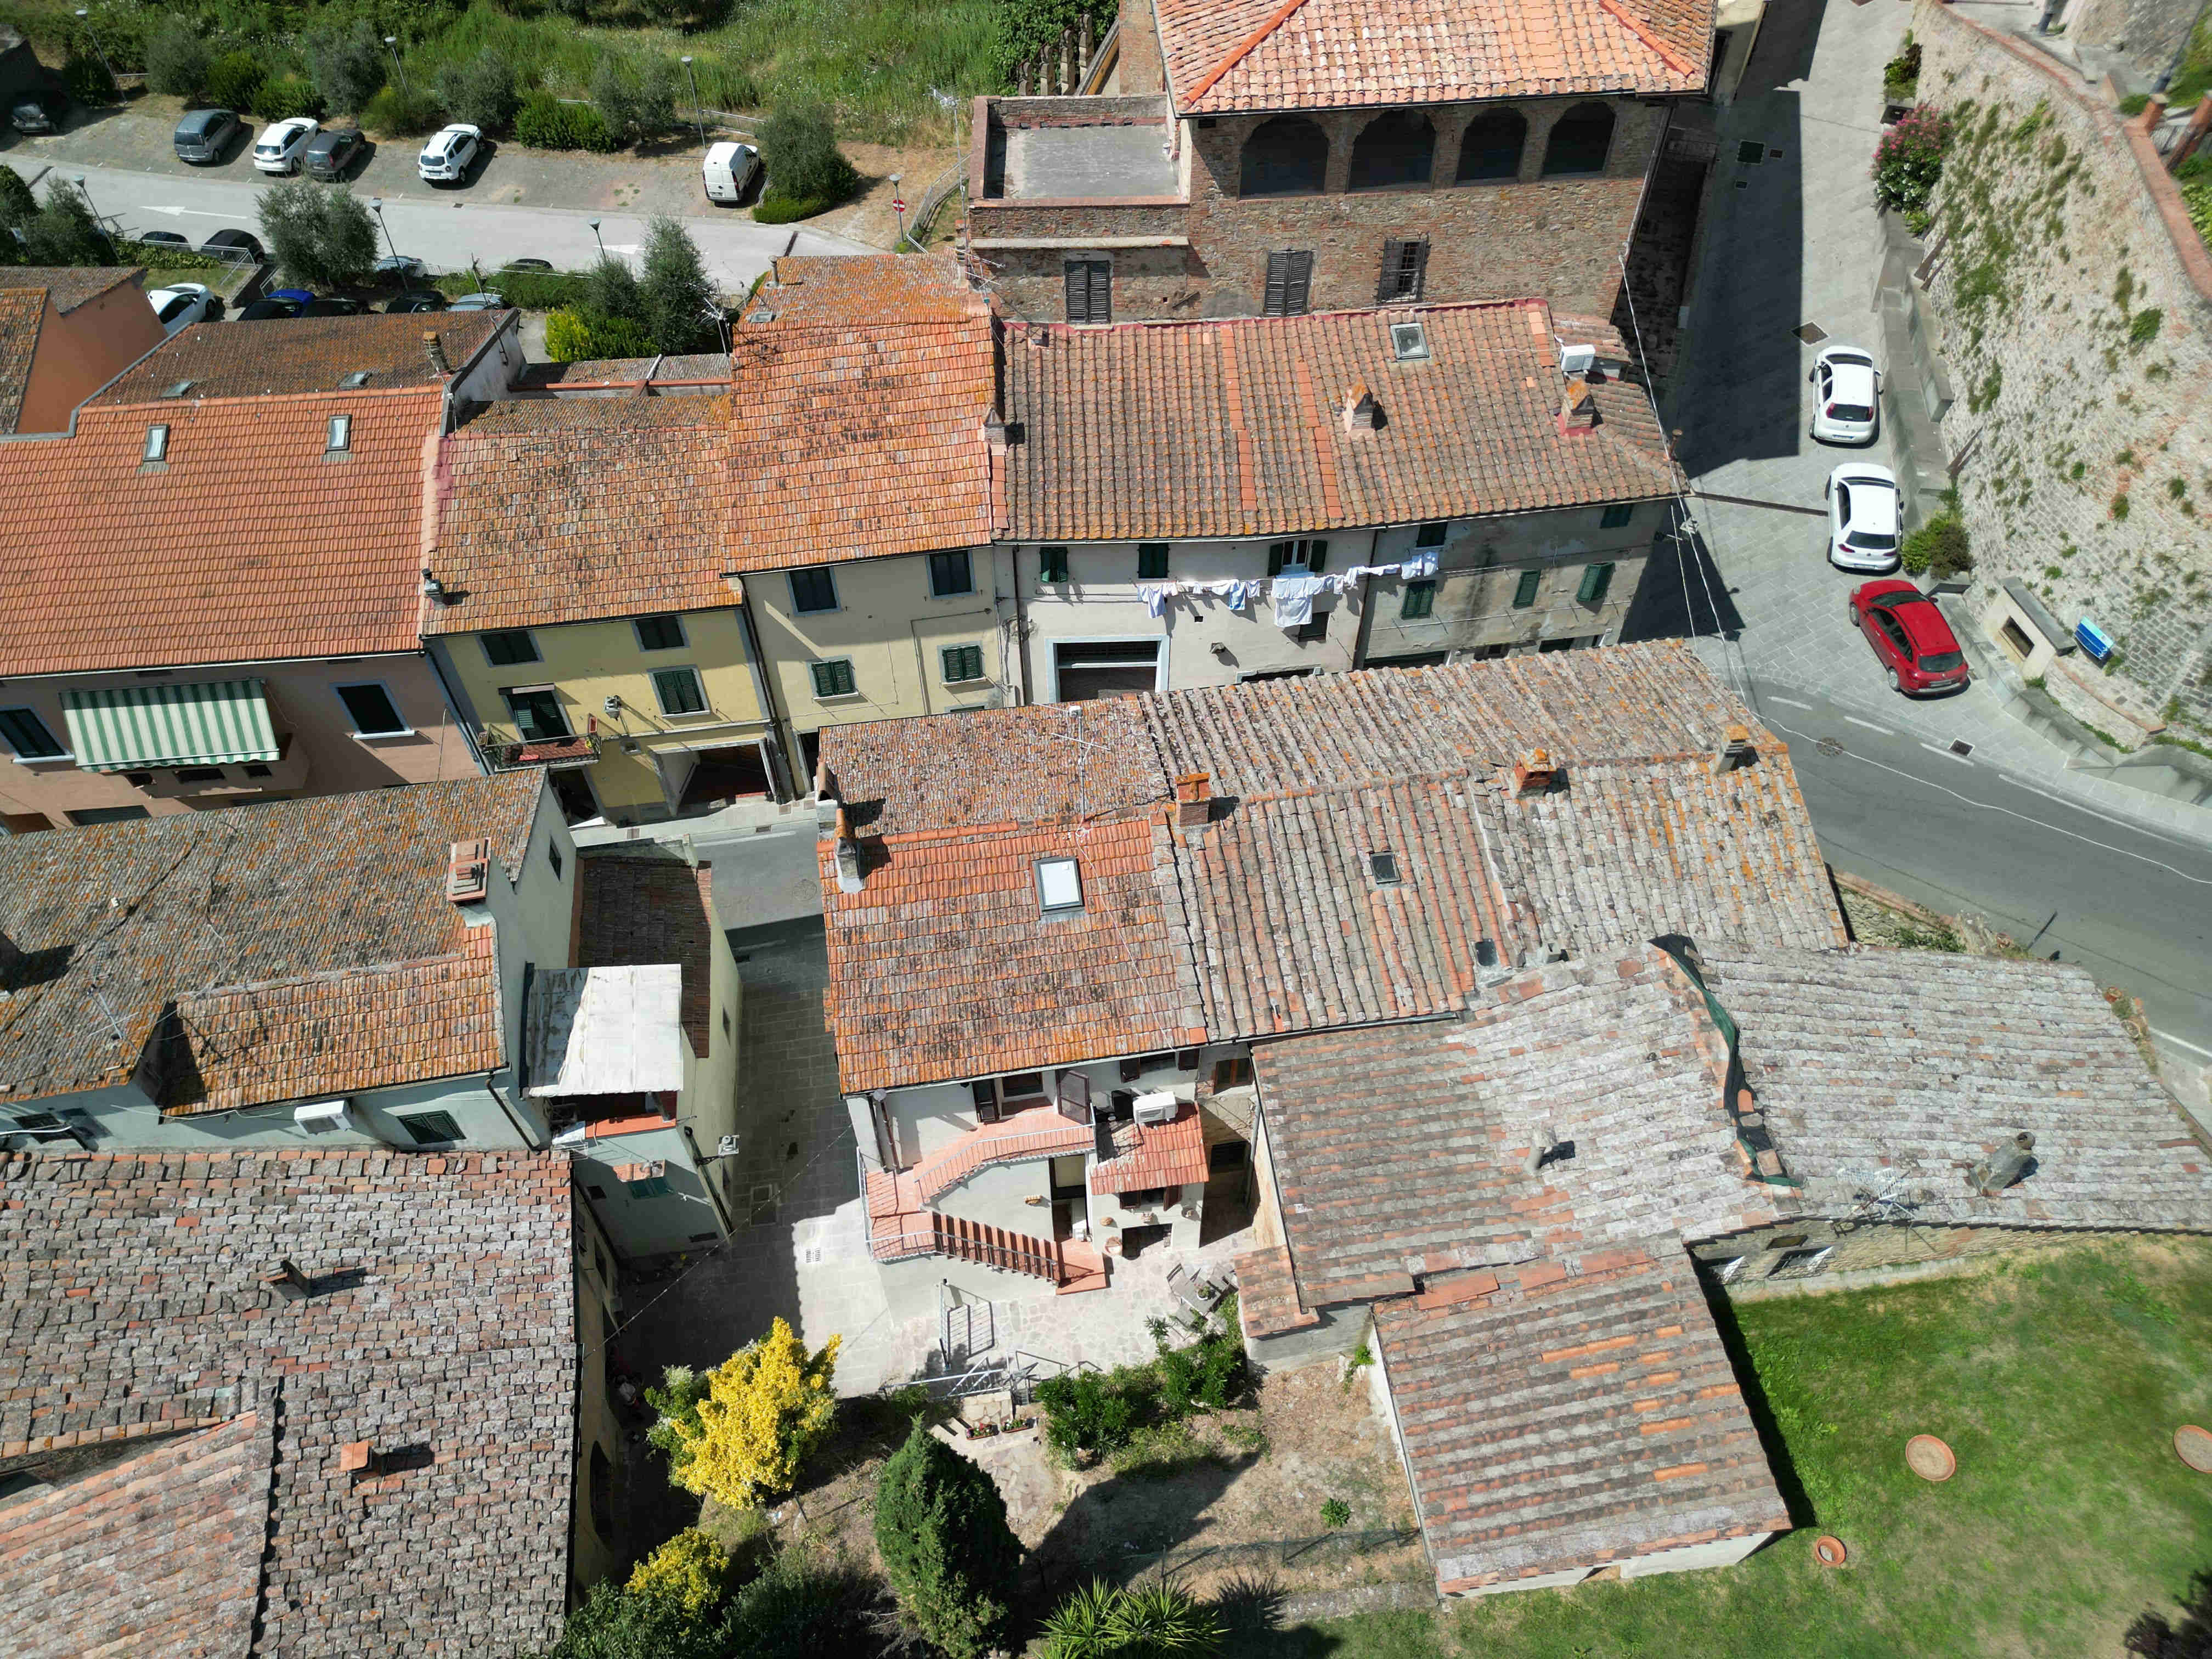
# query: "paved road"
445,232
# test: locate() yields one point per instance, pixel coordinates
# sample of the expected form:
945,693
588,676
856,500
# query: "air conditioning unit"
1156,1108
324,1117
1576,359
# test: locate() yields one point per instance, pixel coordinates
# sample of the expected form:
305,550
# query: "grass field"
2057,1380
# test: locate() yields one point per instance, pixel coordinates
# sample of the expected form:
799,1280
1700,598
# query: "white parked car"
282,144
183,303
444,159
1849,384
1865,517
728,169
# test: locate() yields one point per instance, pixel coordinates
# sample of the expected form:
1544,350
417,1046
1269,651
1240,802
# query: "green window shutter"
1596,578
679,691
1316,555
1277,552
962,662
833,678
1419,600
1052,564
1151,560
1616,517
1524,595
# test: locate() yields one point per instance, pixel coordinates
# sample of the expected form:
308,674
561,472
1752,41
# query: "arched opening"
1491,148
1286,157
1393,149
1579,142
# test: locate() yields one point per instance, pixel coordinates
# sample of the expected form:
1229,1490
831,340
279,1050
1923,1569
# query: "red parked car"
1909,633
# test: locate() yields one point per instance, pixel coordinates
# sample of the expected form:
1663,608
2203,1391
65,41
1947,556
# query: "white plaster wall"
1721,1552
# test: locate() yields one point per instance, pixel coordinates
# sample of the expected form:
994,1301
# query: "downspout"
1022,627
1366,601
764,685
521,1128
700,1161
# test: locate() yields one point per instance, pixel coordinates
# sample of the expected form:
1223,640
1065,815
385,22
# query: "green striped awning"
125,727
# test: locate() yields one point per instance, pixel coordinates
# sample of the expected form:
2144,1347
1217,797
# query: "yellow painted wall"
588,662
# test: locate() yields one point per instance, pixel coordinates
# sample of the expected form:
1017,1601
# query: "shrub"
636,104
88,80
1336,1513
1207,1373
610,290
286,95
1939,546
1909,160
1088,1410
574,337
481,90
17,204
177,59
798,147
65,231
1149,1621
622,1624
347,65
775,209
545,122
739,1431
403,113
323,237
681,310
1900,76
233,79
2143,326
689,1568
941,1529
2134,104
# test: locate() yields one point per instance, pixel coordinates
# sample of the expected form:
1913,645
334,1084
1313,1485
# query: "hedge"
775,209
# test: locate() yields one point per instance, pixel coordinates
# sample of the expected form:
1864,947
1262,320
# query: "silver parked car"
204,134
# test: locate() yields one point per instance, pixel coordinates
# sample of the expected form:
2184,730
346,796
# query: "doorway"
574,791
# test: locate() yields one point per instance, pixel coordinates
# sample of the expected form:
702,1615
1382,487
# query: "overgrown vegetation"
951,1559
682,1606
1900,76
669,305
1096,1413
739,1432
1909,160
61,231
1157,1619
1938,548
807,173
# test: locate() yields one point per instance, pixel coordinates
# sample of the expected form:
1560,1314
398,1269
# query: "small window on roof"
1384,866
157,443
1408,340
341,434
1059,885
354,381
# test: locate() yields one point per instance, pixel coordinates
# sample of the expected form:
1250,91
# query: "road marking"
2025,817
2112,818
1870,726
2179,1043
1791,702
1938,749
196,213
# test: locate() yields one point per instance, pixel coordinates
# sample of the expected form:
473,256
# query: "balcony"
517,754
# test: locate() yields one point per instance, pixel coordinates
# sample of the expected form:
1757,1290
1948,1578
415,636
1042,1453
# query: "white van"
729,169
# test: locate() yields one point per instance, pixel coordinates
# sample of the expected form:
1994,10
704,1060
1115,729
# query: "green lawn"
2059,1381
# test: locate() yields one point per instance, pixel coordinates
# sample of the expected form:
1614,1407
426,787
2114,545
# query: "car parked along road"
1849,387
1866,512
284,143
203,135
1910,636
446,159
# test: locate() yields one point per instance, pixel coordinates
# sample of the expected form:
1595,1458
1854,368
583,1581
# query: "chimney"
289,1282
1194,795
468,876
434,350
1361,412
433,589
1533,774
1577,409
358,1458
995,432
849,855
2016,1163
1736,750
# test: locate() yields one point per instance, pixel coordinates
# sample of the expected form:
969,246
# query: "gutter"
787,739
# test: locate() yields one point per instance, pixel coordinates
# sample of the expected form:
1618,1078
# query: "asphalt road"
2133,907
446,232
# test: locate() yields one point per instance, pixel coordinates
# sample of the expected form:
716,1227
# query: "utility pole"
698,114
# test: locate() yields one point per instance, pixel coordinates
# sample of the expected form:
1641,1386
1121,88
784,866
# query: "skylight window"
1408,340
157,443
1059,885
1384,866
340,435
354,381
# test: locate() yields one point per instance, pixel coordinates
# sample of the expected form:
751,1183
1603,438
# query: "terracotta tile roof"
1400,1152
856,440
308,354
22,315
641,912
70,285
636,372
1149,1155
1582,1412
246,544
1895,1072
335,1033
564,510
1224,55
843,290
189,1515
1267,1295
136,1303
105,927
1235,427
943,966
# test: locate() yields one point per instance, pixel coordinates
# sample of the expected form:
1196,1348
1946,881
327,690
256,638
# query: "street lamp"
84,17
78,180
391,45
600,240
698,114
376,206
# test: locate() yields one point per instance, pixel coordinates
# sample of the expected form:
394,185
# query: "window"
1289,283
1315,632
660,633
504,650
833,678
371,711
1152,561
1491,148
962,662
1596,578
430,1128
26,734
679,691
1799,1264
1726,1271
340,435
1524,591
1089,283
1104,668
105,814
1579,141
1616,517
1052,564
813,589
1418,600
1144,1197
650,1187
199,774
1300,558
1286,157
1384,866
1397,149
949,573
1233,1073
1432,534
1059,885
1405,265
157,443
985,1093
1022,1085
553,857
536,712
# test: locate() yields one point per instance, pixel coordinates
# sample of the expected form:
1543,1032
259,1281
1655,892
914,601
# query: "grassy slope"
2059,1381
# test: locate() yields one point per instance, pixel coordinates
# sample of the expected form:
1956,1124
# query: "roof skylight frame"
157,443
1409,340
1059,887
1382,867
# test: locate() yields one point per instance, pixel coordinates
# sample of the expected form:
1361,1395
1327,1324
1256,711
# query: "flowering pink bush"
1910,159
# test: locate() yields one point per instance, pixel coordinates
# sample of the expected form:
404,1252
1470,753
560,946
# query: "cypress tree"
941,1529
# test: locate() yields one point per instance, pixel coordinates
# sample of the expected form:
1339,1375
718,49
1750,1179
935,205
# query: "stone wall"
2077,327
2148,32
1140,68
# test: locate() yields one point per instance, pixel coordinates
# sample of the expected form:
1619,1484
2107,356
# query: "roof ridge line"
1236,53
421,390
468,951
1643,31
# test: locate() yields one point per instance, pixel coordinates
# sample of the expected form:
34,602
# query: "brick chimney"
1361,412
2016,1163
1194,795
848,855
358,1458
995,432
289,1282
1736,750
1578,408
434,350
468,873
1533,774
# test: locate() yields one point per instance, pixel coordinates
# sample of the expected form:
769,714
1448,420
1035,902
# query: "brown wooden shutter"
1299,285
1090,290
1078,276
1279,273
1101,290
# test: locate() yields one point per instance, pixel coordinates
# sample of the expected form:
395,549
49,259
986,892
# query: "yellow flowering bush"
690,1569
739,1432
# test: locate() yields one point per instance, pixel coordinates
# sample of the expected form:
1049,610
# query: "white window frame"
157,445
402,730
338,436
1056,880
705,711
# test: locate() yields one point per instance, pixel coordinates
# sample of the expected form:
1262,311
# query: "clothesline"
1293,593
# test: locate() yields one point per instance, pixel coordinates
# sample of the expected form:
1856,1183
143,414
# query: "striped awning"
125,727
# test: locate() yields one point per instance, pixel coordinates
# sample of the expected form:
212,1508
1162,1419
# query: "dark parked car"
421,299
239,245
42,111
261,310
1910,636
165,238
328,306
332,151
204,134
530,265
298,296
